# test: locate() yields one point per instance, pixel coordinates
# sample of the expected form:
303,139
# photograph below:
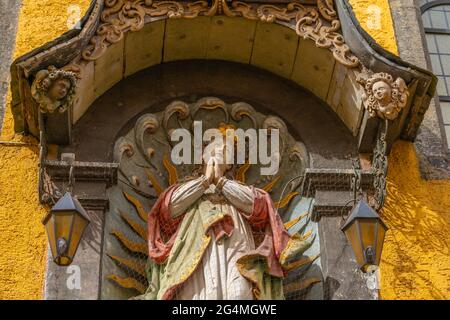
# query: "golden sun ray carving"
128,283
268,187
154,182
139,229
131,264
301,263
240,173
286,200
297,286
293,222
171,170
137,247
138,205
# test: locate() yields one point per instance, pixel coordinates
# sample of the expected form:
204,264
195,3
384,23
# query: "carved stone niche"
146,169
143,117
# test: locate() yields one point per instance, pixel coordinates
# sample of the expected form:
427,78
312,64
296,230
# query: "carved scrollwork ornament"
54,89
383,96
319,23
211,103
242,109
179,108
121,148
380,167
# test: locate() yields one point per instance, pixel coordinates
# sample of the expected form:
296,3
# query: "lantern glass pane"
63,221
380,241
353,238
79,225
368,232
50,228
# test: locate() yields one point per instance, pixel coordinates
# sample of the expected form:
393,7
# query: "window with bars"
436,22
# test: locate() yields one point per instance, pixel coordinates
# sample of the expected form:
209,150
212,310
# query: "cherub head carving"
54,89
383,96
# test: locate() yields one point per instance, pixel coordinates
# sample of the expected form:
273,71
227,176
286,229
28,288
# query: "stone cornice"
318,23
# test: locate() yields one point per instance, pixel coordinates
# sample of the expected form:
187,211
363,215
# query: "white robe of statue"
217,277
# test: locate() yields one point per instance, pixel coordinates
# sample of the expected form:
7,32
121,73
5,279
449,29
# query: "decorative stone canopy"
97,55
318,23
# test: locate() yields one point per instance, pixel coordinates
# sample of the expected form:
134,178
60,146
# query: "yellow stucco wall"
416,257
375,17
415,264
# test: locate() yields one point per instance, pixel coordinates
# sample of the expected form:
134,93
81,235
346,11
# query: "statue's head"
54,89
383,96
382,91
59,89
223,152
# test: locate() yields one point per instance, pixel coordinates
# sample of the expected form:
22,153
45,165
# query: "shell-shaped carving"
122,146
176,107
148,123
241,109
274,122
298,153
210,103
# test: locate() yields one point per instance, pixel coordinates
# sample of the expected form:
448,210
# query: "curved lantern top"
362,211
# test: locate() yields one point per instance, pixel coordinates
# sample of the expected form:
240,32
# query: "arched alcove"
331,144
272,47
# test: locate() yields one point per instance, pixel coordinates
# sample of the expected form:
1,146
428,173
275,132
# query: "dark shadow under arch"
325,136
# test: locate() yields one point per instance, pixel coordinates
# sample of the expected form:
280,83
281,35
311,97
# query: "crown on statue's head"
223,127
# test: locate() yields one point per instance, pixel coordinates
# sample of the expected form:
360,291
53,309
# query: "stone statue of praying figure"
215,238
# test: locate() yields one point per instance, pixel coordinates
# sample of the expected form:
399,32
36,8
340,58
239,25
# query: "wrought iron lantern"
365,232
65,224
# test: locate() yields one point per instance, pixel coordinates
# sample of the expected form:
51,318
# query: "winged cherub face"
382,92
59,89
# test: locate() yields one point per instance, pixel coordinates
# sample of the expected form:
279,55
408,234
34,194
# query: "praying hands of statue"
214,170
216,165
209,173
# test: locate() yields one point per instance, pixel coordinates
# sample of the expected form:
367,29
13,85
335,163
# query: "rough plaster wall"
416,255
22,236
